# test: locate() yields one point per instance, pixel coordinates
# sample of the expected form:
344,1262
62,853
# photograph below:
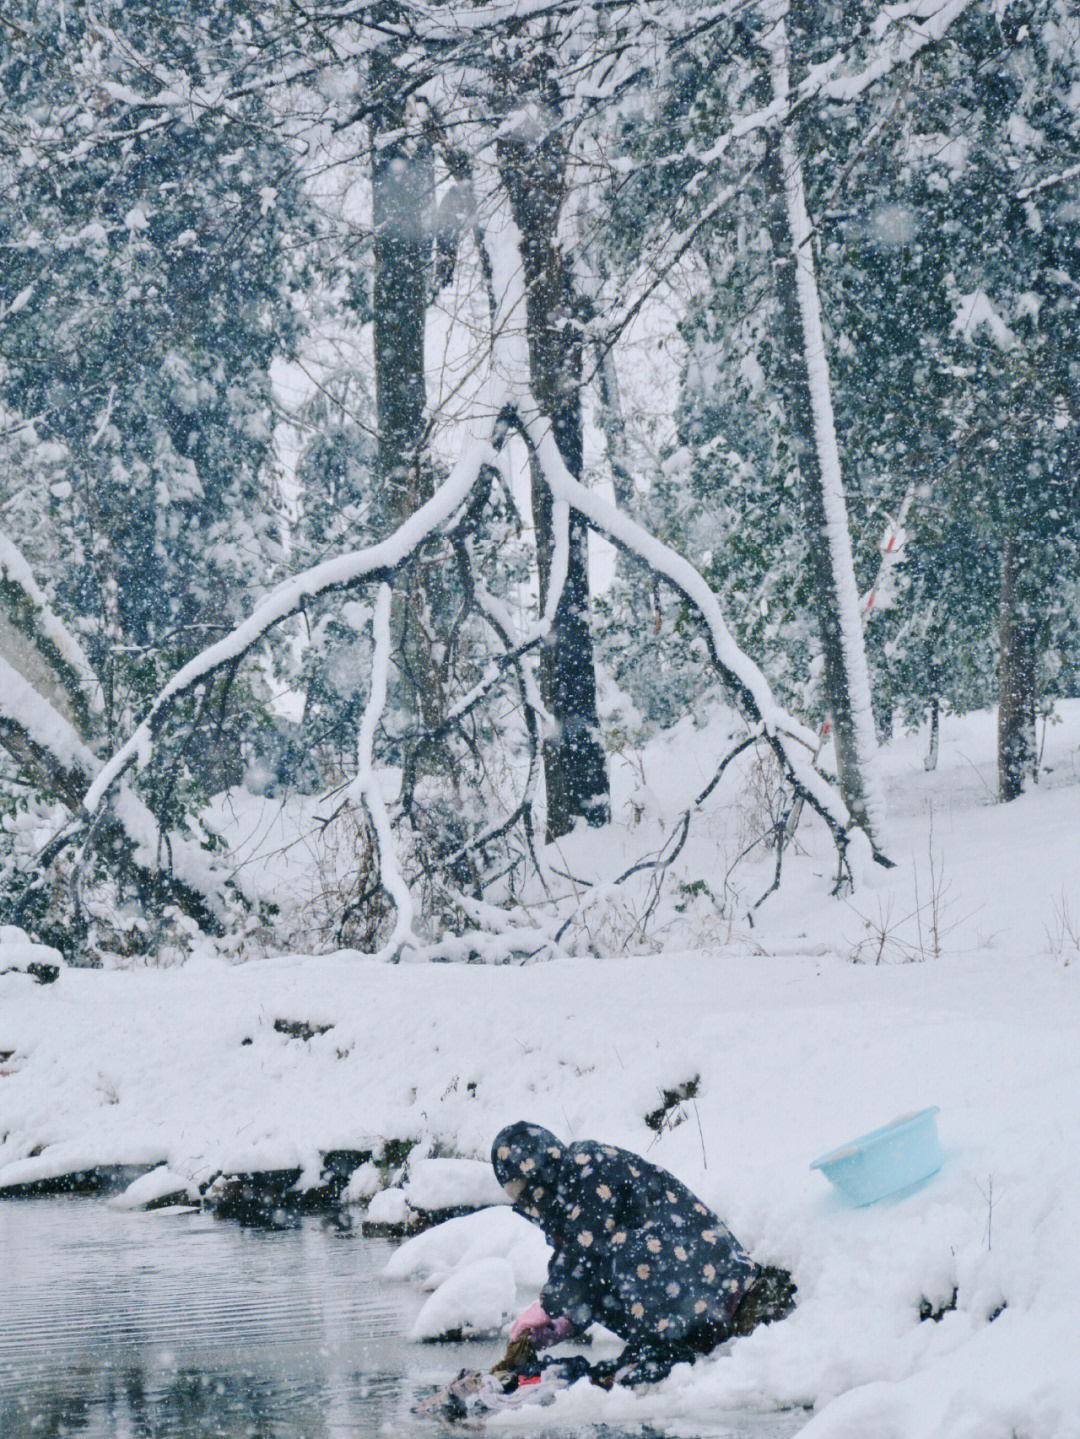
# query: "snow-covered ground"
798,1039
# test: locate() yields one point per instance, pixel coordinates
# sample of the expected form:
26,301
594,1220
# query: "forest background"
332,339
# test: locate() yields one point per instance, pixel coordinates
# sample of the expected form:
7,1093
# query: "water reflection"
159,1326
131,1403
176,1326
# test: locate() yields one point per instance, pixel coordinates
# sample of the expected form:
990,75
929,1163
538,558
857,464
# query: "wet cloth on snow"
635,1250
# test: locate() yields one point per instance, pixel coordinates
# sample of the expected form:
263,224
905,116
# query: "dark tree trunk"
402,177
534,174
930,759
575,773
1016,678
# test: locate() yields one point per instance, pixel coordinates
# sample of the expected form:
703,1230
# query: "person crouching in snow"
635,1251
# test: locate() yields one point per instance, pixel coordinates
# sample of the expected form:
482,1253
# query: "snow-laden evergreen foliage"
143,295
948,280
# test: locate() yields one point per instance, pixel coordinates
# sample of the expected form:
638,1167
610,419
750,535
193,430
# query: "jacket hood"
532,1153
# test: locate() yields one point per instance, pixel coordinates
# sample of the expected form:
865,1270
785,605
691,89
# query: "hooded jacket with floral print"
635,1250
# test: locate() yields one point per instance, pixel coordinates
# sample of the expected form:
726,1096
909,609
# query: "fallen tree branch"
662,862
741,677
508,401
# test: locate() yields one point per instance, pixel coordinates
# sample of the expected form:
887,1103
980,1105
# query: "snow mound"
453,1184
363,1184
161,1183
476,1300
17,950
1019,1376
389,1207
459,1244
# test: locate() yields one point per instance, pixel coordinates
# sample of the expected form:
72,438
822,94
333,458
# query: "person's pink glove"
533,1318
541,1330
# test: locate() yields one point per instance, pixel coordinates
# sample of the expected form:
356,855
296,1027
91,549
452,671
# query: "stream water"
119,1325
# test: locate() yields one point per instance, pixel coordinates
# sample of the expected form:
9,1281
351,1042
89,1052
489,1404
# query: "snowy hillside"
952,980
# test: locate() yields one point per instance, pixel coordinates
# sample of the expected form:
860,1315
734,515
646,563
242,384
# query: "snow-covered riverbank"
795,1048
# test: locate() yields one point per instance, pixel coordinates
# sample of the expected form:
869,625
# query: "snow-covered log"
36,643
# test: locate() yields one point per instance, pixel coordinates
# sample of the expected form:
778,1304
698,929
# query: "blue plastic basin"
887,1160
